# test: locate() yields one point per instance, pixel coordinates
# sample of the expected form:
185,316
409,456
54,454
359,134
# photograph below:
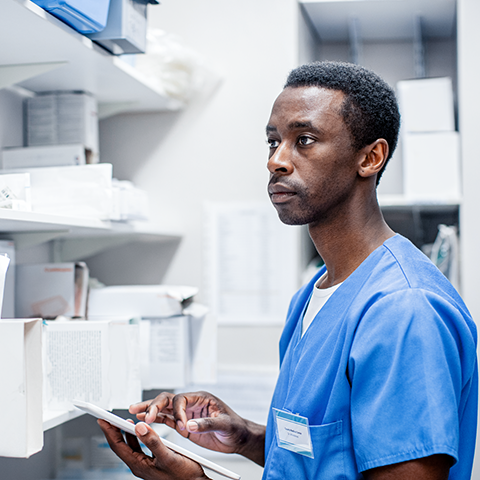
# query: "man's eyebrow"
307,124
295,126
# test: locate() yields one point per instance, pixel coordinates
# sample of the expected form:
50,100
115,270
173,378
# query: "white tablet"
130,428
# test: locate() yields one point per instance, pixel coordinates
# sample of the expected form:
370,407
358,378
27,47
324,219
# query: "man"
378,374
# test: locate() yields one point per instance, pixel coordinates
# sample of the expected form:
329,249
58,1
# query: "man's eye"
305,140
272,143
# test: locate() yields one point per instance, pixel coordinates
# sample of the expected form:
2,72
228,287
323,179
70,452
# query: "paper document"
124,366
76,363
252,263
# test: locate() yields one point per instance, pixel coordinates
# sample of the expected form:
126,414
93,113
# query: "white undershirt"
317,301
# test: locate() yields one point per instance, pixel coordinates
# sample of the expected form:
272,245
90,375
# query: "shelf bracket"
72,249
30,239
12,74
355,41
418,48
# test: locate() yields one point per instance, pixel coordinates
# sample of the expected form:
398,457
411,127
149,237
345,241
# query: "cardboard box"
21,380
134,301
432,166
48,290
44,156
426,105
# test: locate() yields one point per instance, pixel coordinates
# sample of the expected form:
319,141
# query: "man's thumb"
200,425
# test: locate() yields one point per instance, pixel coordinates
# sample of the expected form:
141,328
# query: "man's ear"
373,158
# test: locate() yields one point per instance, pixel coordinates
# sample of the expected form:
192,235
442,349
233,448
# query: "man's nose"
280,161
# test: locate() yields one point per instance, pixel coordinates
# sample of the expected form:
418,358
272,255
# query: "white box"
431,164
15,191
426,105
44,156
77,191
47,290
59,118
139,301
21,379
8,308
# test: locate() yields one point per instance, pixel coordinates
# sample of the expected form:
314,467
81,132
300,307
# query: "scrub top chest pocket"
307,451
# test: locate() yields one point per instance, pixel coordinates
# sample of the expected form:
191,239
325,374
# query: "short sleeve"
406,377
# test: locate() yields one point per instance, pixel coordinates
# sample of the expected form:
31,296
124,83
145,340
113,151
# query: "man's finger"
153,407
139,407
117,443
180,403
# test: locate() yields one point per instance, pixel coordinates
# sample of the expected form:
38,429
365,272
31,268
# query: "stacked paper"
60,118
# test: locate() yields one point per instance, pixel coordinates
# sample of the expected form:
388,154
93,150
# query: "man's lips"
280,193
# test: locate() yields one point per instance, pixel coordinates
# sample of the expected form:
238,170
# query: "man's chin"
290,220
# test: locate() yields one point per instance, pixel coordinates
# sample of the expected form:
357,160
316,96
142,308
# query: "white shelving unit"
394,38
41,53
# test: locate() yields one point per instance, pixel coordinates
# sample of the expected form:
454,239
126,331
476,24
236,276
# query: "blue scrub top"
386,372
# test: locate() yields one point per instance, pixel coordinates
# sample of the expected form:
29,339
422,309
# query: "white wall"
469,106
215,150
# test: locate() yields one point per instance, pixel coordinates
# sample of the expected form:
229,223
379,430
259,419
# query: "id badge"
293,433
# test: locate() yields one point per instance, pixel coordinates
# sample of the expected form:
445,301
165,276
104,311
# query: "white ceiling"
381,19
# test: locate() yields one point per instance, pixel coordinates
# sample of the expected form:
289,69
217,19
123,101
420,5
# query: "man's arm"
434,467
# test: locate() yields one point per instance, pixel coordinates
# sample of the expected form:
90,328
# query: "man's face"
312,164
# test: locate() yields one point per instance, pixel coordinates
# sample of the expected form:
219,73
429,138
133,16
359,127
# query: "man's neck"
346,241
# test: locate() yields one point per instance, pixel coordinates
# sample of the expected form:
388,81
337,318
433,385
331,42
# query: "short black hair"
370,109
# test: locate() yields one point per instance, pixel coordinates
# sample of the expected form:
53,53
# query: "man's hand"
164,464
207,421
